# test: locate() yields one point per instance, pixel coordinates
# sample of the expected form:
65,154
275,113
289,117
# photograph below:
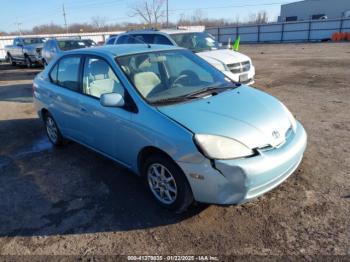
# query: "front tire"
28,62
52,131
167,183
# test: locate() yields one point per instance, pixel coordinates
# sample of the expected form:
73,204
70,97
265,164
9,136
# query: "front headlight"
291,118
220,66
219,147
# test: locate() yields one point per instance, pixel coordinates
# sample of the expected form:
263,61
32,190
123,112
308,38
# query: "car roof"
165,32
68,39
144,32
121,50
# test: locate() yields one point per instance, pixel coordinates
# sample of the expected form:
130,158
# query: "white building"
314,9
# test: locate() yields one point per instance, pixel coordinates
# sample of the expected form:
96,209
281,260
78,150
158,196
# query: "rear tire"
52,131
167,183
11,60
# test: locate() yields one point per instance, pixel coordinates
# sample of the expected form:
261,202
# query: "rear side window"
68,72
110,41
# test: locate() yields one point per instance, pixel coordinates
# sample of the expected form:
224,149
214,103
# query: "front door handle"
83,109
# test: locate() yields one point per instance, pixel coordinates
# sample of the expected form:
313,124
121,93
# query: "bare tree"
151,11
258,18
98,22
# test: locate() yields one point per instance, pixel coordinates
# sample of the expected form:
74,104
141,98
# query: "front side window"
173,74
196,42
53,74
68,72
100,79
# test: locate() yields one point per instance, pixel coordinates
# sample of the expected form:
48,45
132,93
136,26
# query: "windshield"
66,45
173,74
30,41
196,42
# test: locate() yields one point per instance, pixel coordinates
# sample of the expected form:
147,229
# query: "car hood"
245,114
225,56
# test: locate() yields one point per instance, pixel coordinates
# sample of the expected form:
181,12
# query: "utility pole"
167,13
18,26
65,19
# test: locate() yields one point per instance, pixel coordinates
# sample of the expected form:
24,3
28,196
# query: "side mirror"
112,100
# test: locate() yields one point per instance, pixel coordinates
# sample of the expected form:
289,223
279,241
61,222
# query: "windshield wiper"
209,90
195,95
172,100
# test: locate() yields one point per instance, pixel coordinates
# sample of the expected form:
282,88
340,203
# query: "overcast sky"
35,12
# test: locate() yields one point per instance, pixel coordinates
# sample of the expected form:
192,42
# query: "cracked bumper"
240,180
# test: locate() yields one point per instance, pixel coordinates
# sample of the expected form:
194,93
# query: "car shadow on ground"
72,190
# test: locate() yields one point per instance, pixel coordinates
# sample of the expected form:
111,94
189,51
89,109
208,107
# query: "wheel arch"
43,113
147,151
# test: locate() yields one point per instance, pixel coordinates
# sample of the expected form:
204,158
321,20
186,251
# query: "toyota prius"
173,119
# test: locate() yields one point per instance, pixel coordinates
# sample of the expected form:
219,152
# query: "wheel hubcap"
51,129
162,183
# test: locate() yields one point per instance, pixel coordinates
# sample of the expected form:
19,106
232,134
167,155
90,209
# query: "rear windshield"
66,45
144,38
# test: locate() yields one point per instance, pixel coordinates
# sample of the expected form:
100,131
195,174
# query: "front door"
106,129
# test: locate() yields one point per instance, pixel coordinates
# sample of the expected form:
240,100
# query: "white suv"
235,65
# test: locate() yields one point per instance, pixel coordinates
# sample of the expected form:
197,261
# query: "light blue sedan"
170,117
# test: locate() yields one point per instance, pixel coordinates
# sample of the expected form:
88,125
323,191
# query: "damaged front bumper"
239,180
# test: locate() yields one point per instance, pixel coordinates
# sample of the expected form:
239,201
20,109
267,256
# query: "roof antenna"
140,40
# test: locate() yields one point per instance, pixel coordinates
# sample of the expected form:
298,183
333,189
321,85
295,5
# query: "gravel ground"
74,201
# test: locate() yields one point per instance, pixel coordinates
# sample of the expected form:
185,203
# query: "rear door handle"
83,109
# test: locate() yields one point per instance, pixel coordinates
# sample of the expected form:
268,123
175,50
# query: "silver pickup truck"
25,50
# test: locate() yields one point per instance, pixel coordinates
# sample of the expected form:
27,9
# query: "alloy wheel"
162,183
52,130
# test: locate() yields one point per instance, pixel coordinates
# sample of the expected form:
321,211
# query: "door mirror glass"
112,100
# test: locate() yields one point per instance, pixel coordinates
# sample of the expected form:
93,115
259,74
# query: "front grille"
237,68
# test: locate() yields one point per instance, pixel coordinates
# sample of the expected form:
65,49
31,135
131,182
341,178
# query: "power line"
18,26
65,19
167,13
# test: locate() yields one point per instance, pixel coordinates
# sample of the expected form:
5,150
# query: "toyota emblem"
275,134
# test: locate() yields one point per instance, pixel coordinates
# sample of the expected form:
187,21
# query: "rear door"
63,92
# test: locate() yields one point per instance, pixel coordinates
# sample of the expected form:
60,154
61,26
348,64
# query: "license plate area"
243,78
